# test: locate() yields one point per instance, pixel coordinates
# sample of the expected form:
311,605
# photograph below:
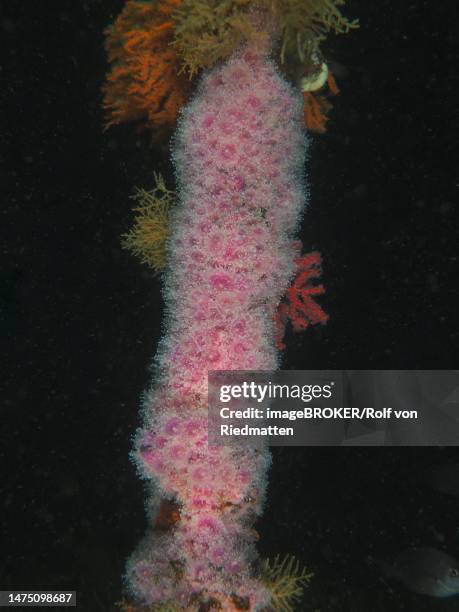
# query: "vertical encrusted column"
239,156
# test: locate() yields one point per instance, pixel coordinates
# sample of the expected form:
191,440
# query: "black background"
81,318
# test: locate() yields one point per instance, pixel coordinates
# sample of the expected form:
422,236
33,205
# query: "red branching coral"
298,305
143,82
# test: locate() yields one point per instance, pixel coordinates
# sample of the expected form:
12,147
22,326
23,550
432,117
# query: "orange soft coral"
143,82
299,306
317,107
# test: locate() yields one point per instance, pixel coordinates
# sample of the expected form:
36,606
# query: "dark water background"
81,318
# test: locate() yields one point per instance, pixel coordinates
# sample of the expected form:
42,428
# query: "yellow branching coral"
305,24
207,31
285,581
147,238
143,82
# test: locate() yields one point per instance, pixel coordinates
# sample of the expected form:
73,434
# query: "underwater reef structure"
226,243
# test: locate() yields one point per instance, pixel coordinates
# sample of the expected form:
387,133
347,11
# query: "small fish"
425,570
445,478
